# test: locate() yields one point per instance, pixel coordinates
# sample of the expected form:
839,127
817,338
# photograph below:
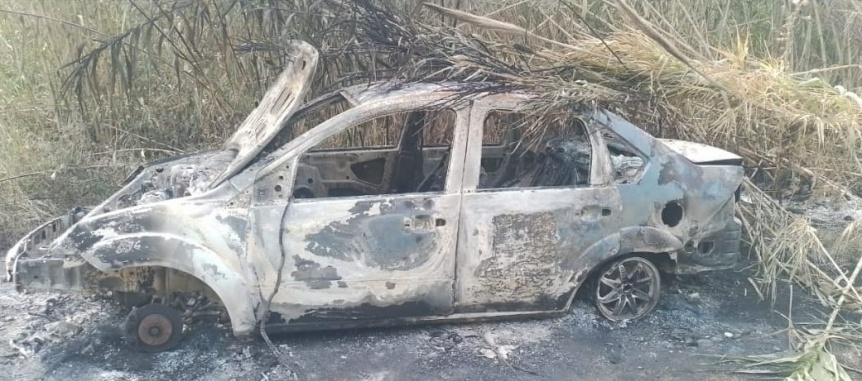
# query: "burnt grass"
698,320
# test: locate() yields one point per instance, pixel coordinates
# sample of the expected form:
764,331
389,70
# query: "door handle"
423,221
594,212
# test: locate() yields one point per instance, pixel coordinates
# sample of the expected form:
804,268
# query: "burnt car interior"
397,153
626,162
409,153
523,150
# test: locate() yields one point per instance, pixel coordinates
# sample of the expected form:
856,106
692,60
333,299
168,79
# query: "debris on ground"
50,320
495,351
574,345
752,105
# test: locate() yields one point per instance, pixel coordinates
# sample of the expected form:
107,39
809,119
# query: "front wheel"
627,289
153,328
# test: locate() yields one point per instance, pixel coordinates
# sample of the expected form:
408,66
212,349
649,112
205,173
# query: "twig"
172,152
647,28
826,69
54,171
852,369
596,34
843,296
498,26
64,22
46,317
790,318
145,138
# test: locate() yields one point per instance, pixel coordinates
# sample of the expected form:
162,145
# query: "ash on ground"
60,337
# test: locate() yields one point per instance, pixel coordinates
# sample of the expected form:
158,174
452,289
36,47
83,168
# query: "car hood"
701,153
278,104
168,178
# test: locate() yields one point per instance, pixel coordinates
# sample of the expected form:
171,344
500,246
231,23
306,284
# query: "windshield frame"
322,101
346,119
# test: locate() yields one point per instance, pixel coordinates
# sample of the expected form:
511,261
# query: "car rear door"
519,245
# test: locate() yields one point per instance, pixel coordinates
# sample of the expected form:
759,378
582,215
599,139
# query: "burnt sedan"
380,205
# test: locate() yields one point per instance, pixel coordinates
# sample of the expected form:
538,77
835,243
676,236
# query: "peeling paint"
312,274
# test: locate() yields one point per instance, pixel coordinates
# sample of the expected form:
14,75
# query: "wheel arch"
656,245
225,279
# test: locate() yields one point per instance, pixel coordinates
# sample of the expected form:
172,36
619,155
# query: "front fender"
164,250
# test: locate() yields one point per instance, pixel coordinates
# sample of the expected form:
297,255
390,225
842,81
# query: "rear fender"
646,240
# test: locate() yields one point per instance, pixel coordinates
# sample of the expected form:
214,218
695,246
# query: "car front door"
377,256
520,238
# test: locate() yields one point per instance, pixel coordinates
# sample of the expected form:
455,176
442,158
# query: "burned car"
380,205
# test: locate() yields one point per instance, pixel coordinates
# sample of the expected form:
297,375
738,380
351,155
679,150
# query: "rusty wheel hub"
628,289
155,330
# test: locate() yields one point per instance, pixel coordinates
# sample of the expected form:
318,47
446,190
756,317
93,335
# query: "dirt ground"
699,319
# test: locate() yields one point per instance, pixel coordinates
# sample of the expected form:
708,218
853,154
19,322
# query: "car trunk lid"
702,154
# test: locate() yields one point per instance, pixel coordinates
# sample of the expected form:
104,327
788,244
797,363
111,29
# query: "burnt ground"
698,319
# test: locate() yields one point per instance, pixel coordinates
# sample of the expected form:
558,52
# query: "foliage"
84,100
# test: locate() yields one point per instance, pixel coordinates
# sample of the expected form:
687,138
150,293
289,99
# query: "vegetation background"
89,89
174,76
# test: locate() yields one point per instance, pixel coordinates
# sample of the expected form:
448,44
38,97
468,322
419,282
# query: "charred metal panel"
516,246
701,153
278,104
202,239
313,275
647,239
270,197
338,170
496,246
34,245
524,255
398,236
369,254
701,191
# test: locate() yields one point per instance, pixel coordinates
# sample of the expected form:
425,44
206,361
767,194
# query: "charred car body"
397,205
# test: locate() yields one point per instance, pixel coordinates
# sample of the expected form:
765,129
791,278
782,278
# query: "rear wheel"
153,328
627,289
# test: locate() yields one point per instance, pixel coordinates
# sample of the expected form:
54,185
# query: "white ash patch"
47,319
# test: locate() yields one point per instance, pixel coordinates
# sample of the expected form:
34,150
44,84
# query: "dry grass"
781,122
153,78
42,165
136,103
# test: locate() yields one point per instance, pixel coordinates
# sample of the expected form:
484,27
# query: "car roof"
375,91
